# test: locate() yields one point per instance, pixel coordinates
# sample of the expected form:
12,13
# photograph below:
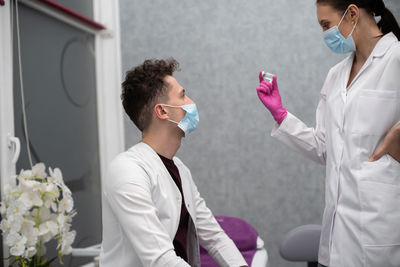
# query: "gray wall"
221,45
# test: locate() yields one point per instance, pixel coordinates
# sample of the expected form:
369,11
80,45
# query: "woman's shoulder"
341,64
334,72
395,51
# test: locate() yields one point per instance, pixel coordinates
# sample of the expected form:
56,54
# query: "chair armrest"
301,243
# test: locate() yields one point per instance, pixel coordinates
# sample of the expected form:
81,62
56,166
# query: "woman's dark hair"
387,23
143,86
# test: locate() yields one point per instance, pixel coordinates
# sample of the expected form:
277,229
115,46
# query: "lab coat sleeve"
132,205
307,140
213,238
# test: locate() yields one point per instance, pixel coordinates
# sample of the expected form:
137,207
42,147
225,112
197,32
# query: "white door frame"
108,83
7,169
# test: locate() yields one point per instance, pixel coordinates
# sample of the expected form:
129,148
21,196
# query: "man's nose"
190,101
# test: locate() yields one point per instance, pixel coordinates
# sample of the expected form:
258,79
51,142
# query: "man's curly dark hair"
144,85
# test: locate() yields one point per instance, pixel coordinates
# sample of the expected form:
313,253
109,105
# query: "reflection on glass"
60,97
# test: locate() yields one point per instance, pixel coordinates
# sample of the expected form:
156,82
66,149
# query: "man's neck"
162,142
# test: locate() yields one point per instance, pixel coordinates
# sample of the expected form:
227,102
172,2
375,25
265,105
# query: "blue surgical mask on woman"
189,123
336,41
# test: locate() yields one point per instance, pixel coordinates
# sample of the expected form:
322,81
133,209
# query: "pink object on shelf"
73,13
2,3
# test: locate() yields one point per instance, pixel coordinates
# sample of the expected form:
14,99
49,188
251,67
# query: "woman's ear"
160,112
354,13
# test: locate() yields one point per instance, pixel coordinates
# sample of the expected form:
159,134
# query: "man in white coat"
153,214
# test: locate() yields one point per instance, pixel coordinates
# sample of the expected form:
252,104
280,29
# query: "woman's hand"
390,145
270,97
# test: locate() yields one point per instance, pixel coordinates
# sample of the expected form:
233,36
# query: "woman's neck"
366,42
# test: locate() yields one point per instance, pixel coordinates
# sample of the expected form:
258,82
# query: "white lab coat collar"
162,169
384,44
379,50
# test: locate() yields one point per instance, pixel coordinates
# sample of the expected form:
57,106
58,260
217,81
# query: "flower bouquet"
36,209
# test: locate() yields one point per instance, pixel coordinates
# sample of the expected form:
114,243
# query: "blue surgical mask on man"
336,41
189,123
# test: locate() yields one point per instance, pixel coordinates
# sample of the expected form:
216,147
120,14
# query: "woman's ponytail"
388,23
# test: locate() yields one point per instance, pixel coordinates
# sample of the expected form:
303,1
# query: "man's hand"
390,145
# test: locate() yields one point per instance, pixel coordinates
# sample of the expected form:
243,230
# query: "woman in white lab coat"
359,110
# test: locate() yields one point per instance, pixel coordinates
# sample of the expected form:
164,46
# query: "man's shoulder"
128,166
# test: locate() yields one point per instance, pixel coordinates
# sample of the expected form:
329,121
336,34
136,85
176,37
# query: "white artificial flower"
66,192
17,244
51,188
65,220
6,226
29,252
66,204
39,170
16,208
29,230
54,206
18,249
51,192
56,176
25,174
35,198
48,200
12,238
11,224
33,239
67,240
48,230
31,198
44,215
65,228
29,185
3,208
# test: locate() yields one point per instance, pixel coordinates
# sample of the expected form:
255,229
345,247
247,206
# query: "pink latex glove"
270,97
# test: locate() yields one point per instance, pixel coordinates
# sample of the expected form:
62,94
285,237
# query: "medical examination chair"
301,244
242,233
246,240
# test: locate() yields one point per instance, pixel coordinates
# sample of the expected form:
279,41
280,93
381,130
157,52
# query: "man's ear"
160,112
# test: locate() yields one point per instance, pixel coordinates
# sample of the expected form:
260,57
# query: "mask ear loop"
342,20
171,107
353,29
343,17
173,121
